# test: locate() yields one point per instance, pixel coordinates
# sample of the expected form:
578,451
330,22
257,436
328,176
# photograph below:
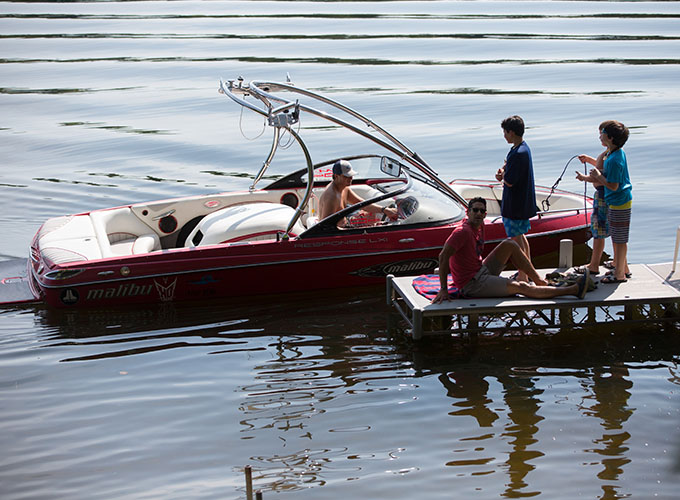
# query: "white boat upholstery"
70,238
311,220
240,223
120,232
490,193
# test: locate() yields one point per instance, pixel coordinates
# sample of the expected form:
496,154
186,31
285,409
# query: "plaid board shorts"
515,227
619,224
599,220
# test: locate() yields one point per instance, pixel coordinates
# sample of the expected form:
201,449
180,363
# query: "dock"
652,294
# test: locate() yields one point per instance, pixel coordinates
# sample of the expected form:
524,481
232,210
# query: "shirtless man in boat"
339,195
477,277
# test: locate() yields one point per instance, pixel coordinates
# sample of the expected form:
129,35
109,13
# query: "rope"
291,139
240,126
546,203
585,195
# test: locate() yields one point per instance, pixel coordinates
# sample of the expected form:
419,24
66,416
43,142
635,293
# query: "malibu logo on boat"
122,290
401,268
69,296
166,290
164,287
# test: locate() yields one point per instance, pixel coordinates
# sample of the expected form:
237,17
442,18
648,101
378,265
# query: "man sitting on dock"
477,277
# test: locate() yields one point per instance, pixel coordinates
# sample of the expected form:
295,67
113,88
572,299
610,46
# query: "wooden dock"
652,294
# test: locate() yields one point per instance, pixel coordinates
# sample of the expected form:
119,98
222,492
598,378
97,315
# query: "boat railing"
262,91
544,213
677,245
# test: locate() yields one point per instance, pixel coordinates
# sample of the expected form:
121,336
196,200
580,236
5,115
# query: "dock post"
249,482
677,244
473,322
417,327
628,312
592,315
390,277
566,315
566,259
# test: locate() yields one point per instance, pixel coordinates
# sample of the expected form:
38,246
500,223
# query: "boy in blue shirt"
519,193
617,193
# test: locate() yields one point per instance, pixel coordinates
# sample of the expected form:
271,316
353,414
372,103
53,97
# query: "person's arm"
500,173
516,168
596,162
597,175
500,177
353,198
586,159
586,178
391,213
444,256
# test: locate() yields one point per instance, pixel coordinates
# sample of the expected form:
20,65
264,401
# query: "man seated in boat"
477,277
339,194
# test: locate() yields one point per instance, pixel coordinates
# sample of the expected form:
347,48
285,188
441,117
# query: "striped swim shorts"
619,223
515,227
599,223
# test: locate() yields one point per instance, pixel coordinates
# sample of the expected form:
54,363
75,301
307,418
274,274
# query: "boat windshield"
416,199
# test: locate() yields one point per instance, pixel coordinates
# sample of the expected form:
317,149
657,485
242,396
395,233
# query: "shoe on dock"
582,269
583,284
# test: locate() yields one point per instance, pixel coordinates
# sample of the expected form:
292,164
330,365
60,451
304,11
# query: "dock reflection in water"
320,404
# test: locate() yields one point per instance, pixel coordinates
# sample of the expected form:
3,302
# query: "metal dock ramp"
652,294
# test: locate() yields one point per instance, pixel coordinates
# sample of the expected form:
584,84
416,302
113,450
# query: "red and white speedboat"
269,240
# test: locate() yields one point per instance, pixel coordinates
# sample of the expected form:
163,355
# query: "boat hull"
266,268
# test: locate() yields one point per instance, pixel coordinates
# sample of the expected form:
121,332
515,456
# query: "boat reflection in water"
287,379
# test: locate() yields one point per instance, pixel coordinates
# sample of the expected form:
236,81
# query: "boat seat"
490,193
259,221
69,238
311,221
120,232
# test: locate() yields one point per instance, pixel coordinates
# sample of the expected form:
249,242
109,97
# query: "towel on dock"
427,285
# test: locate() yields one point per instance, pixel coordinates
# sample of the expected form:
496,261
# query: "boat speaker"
290,199
167,224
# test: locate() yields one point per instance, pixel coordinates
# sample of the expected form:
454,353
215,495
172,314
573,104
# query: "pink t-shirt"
468,244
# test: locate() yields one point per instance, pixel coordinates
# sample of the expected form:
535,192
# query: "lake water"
108,103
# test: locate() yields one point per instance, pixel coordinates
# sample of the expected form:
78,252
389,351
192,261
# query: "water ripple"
352,61
367,16
344,36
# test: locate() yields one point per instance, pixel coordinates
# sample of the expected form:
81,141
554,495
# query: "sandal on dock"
610,278
611,273
583,284
582,270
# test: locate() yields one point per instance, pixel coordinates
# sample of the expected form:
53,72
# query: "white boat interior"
492,192
229,218
225,218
